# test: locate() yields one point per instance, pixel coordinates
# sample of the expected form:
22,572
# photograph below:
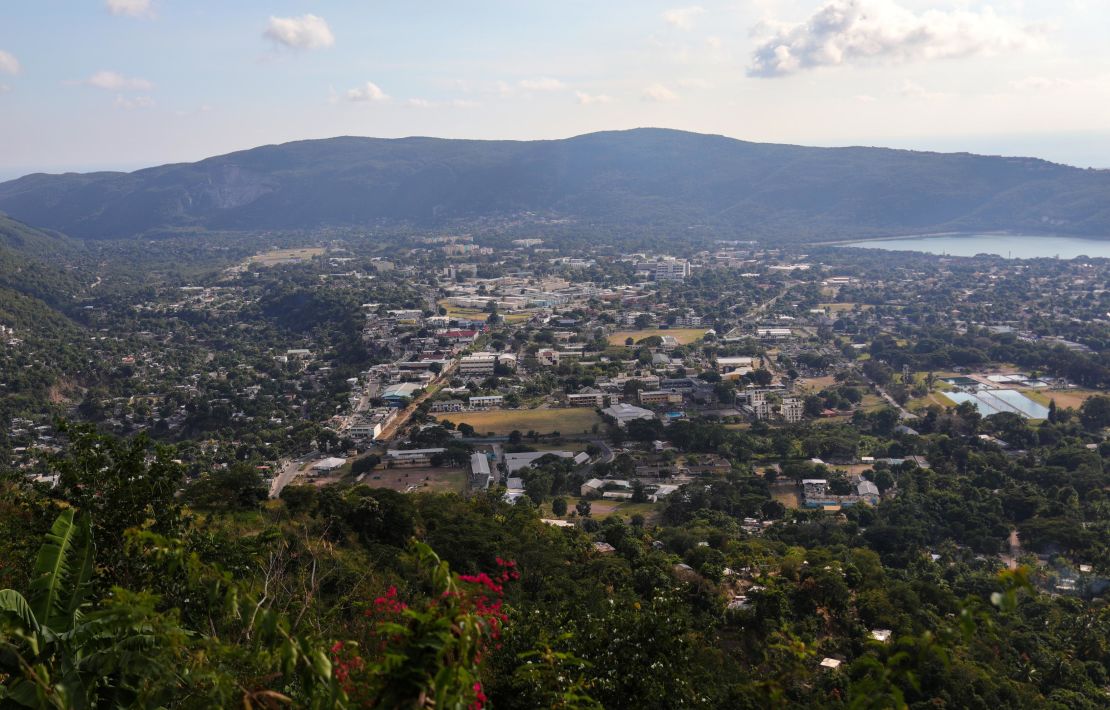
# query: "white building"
477,364
486,401
624,413
672,269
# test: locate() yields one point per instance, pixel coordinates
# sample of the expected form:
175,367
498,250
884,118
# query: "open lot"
842,307
475,314
418,480
601,509
1065,399
683,335
571,420
286,256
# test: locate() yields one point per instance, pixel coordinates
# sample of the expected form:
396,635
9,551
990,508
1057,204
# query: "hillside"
29,262
645,178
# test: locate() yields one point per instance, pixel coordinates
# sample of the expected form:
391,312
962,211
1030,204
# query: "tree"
238,487
1095,413
365,464
559,506
639,495
582,507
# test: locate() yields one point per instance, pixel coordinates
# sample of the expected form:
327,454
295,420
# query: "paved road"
289,471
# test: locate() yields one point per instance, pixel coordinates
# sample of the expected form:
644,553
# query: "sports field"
571,420
683,335
286,256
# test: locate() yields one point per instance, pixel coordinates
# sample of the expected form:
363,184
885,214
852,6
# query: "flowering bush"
427,653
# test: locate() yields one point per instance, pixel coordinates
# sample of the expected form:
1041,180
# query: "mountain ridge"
645,177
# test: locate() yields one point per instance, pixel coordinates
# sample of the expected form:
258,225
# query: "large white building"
672,269
624,413
477,364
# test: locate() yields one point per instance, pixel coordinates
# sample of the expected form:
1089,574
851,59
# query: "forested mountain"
29,262
645,178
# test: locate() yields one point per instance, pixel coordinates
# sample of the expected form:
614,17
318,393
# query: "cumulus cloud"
130,8
591,99
8,63
113,81
660,93
541,84
683,17
132,103
846,31
367,92
304,32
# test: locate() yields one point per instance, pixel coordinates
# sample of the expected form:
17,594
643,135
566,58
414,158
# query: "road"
403,417
289,470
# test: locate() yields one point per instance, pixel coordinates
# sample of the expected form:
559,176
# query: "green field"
573,420
683,335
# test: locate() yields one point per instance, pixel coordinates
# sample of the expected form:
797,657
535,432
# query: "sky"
122,84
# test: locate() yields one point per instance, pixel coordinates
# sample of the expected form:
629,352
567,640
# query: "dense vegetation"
333,596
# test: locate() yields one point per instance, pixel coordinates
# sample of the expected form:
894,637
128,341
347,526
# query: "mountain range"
643,178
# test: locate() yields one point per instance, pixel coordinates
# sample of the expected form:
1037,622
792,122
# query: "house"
461,337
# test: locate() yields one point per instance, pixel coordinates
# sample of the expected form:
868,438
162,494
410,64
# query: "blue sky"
120,84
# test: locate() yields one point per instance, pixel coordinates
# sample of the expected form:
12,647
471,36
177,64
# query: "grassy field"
475,314
842,307
601,509
683,335
283,256
1072,399
572,420
928,400
418,480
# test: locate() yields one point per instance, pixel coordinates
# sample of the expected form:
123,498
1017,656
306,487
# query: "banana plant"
57,652
44,624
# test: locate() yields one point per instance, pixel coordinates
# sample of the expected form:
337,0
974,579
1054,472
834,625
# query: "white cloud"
660,93
304,32
866,99
911,90
4,88
454,103
683,17
133,103
695,83
130,8
541,84
367,92
1042,83
113,81
590,99
8,63
846,31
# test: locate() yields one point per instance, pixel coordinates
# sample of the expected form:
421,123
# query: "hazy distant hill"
661,178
